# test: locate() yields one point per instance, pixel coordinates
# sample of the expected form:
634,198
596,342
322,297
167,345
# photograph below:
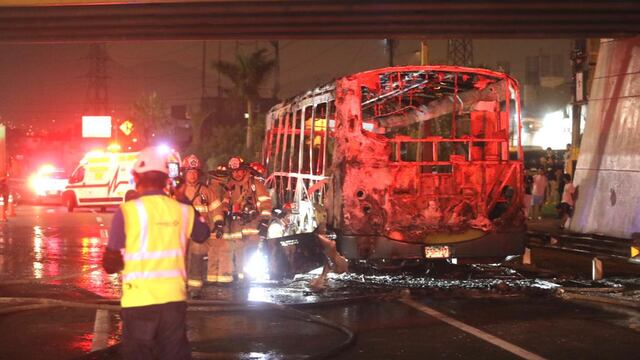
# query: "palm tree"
247,74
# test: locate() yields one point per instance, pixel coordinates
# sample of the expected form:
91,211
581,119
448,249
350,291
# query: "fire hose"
17,304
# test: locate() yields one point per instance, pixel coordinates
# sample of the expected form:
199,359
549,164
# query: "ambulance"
102,179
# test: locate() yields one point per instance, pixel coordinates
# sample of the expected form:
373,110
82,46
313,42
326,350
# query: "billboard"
96,126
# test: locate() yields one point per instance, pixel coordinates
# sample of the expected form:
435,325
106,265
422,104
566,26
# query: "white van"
101,179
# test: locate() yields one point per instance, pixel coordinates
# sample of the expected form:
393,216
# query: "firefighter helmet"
151,159
235,163
191,162
258,168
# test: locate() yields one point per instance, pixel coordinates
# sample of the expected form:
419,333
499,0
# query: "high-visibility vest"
157,228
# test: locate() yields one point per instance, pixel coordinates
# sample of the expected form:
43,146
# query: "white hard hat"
151,159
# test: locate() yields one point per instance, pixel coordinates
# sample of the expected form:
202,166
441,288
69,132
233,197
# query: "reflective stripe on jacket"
157,229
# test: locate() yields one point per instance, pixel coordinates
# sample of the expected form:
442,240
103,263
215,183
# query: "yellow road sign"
635,250
126,127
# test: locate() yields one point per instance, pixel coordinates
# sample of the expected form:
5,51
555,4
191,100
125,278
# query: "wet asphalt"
443,312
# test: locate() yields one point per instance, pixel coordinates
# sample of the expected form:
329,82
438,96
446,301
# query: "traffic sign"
126,127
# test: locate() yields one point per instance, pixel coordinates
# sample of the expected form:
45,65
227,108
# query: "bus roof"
328,87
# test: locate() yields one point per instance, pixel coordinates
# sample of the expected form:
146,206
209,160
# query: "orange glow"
114,147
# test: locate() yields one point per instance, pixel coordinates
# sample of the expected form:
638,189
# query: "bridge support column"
596,269
526,257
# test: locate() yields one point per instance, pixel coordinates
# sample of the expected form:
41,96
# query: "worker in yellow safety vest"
208,203
249,208
148,242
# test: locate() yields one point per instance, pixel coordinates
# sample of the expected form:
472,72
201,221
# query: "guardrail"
599,247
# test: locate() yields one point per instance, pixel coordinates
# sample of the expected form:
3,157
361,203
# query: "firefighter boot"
196,270
220,265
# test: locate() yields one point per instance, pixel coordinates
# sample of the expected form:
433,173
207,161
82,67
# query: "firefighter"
248,212
147,242
220,262
204,201
258,171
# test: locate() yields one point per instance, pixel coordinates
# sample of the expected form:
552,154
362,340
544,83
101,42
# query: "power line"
97,98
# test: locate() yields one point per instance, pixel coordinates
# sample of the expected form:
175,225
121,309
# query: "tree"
197,121
247,74
150,117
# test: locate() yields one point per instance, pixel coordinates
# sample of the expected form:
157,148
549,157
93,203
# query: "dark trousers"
155,332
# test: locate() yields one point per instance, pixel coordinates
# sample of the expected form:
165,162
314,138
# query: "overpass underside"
88,20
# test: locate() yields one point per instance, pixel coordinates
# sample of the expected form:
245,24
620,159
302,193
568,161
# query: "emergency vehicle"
101,179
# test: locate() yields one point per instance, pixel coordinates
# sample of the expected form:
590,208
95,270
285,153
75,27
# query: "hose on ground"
595,297
89,269
29,303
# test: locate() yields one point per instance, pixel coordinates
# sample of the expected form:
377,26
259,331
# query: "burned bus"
403,164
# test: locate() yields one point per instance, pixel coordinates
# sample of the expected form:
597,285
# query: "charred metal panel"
359,165
439,197
607,175
414,156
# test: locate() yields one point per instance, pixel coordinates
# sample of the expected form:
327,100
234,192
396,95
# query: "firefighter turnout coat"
208,204
247,202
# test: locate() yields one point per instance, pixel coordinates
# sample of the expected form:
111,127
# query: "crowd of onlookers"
550,183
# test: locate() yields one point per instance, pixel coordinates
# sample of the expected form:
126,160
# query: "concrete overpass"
109,20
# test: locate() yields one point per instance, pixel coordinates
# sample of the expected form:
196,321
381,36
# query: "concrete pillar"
596,269
526,257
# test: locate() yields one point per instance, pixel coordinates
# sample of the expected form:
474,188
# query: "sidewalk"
550,223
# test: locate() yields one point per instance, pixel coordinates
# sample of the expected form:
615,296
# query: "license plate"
433,252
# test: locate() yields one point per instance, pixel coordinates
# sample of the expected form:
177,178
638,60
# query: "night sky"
46,84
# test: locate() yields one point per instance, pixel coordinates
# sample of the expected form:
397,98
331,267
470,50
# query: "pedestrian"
560,187
568,168
550,156
538,193
568,200
542,162
528,188
148,243
552,186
